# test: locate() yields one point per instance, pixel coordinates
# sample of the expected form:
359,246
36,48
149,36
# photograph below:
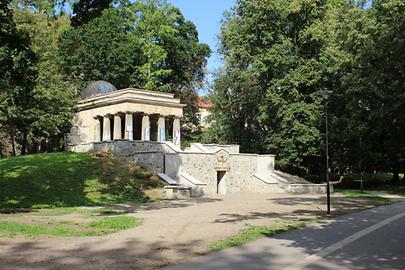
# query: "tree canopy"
280,56
47,59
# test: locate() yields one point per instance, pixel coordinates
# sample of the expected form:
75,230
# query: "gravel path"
172,231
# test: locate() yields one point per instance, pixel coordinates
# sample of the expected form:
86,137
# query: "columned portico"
145,128
106,128
130,114
97,129
161,129
129,126
176,131
117,127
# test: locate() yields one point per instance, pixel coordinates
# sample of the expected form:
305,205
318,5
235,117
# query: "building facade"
143,127
105,114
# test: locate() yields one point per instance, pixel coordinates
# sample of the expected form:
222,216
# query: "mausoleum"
143,127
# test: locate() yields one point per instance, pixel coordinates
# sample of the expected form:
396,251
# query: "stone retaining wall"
242,172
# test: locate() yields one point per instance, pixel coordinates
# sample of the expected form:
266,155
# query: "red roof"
204,102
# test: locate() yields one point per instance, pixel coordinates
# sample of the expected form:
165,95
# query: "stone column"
97,129
129,126
117,127
176,131
145,128
160,127
106,128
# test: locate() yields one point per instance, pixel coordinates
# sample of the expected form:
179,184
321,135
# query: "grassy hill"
70,179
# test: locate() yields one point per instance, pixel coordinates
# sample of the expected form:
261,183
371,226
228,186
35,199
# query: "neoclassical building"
105,114
143,127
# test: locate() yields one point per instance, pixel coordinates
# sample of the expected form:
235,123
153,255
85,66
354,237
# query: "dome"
98,88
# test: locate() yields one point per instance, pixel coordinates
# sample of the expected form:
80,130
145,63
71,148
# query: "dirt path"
172,231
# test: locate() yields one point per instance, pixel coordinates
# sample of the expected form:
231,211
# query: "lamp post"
326,97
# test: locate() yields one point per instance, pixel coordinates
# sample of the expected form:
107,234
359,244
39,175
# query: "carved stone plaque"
222,163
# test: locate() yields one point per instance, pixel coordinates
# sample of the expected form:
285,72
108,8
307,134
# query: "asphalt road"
370,239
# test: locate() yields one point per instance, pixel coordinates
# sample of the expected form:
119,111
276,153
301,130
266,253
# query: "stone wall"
242,172
144,153
199,165
202,166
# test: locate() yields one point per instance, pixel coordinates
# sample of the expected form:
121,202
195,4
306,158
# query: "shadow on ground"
369,252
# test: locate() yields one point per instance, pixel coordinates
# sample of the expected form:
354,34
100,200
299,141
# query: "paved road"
371,239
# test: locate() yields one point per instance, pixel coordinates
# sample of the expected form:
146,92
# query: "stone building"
105,114
143,127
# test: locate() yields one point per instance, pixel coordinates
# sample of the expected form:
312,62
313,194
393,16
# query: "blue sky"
206,15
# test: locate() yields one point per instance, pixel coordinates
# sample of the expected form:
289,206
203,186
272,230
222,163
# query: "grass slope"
69,179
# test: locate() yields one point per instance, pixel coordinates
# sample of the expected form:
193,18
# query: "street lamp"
326,97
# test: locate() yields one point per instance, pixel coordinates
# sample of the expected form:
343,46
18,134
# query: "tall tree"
146,44
371,103
54,97
102,50
269,91
17,79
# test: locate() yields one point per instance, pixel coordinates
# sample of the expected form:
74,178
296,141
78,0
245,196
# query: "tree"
269,90
54,98
47,7
17,79
372,100
147,44
86,10
102,49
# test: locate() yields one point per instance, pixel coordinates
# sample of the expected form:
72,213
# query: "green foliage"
49,8
86,10
256,232
146,44
267,95
102,226
17,79
53,97
369,107
69,179
102,49
279,58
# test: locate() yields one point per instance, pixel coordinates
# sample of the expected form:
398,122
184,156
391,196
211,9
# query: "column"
106,128
176,131
161,129
117,127
129,126
97,129
145,128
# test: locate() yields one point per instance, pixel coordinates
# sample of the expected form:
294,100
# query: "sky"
206,15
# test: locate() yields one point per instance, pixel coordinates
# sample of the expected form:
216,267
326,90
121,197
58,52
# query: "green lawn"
69,179
256,232
364,195
43,223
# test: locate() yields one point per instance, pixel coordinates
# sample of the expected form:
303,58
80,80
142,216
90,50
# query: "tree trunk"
395,174
24,143
12,143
